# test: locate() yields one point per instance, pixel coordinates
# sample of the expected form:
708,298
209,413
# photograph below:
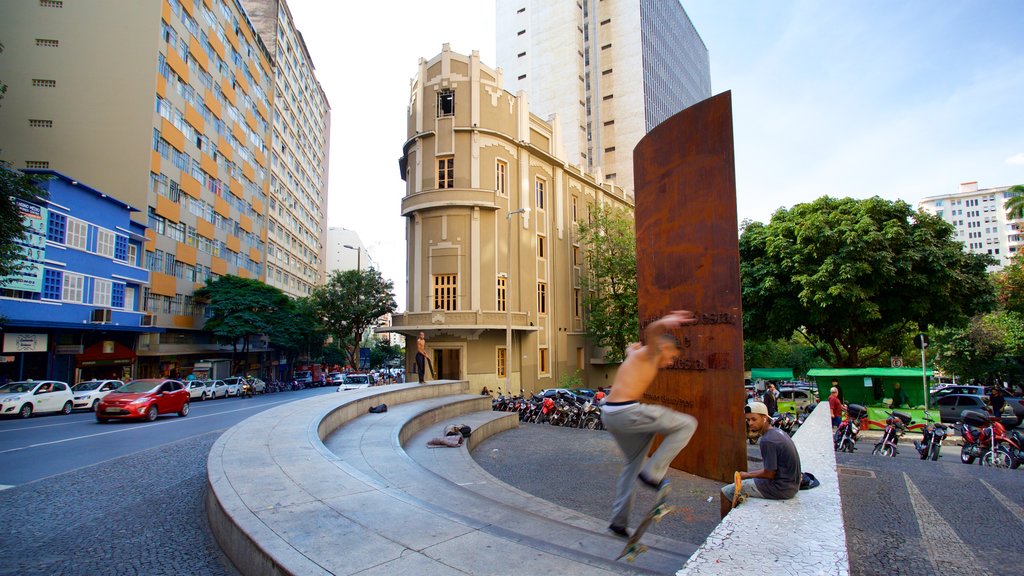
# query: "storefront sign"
21,342
69,349
32,245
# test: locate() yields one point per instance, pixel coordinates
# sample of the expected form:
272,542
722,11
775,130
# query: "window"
575,208
606,72
609,149
542,360
445,291
608,97
575,255
44,83
579,358
501,177
37,164
36,123
73,287
445,103
52,282
577,305
539,188
522,77
541,247
105,243
121,249
51,3
446,172
117,296
47,43
55,227
521,54
502,281
101,293
501,362
77,233
133,254
542,298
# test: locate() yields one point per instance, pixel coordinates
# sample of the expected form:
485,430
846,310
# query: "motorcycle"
895,427
931,445
845,437
984,437
248,391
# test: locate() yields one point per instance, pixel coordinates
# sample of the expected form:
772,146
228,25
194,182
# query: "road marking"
1006,502
946,551
140,427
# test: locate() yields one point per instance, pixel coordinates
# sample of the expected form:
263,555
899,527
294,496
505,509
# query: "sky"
899,99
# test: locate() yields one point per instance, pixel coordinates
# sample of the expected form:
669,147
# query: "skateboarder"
780,477
633,425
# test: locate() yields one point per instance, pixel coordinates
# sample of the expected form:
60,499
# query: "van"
304,377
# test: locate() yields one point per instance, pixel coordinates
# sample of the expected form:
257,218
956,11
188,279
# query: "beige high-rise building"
609,70
476,155
980,221
168,106
297,209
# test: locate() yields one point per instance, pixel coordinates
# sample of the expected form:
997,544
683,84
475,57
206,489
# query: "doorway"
447,363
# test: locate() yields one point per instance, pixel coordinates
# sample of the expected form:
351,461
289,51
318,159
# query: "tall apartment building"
475,155
610,69
979,217
166,105
297,210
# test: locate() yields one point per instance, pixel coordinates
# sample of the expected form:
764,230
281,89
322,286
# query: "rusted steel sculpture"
688,258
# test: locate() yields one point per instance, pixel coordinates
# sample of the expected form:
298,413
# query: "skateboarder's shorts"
749,488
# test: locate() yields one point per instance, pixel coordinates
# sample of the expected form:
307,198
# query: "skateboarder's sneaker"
664,484
618,530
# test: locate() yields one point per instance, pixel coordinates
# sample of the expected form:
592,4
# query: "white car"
234,386
336,378
216,388
355,382
88,393
198,389
31,396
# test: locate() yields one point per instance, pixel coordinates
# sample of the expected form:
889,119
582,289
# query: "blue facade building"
74,310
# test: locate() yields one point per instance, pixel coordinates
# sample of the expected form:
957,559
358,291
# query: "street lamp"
508,306
359,255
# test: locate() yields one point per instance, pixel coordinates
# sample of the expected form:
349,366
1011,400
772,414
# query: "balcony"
451,197
467,323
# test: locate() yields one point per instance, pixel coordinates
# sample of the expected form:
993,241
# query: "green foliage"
383,354
855,278
1015,205
609,285
294,328
350,303
14,186
242,307
570,379
989,349
1010,284
787,353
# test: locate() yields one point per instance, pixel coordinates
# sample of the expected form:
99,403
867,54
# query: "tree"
1010,283
383,354
241,308
15,187
1015,204
350,303
294,329
989,349
781,353
609,285
854,278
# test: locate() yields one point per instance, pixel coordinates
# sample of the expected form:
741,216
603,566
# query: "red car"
144,399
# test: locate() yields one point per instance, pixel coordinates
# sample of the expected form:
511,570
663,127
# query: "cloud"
1017,159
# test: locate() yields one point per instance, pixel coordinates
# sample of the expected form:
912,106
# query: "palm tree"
1015,204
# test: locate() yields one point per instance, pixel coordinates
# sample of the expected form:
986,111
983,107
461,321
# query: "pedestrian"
997,400
421,357
836,407
771,400
780,477
633,425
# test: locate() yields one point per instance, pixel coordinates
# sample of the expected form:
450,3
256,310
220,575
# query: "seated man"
780,477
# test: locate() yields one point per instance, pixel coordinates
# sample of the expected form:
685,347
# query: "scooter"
895,427
845,437
247,390
931,445
984,437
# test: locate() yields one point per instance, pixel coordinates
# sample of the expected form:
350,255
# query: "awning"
105,353
879,372
771,374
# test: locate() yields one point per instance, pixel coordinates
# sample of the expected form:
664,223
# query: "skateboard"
738,485
633,546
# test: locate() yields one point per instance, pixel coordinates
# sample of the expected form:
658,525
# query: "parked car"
217,388
952,405
258,386
235,383
958,389
144,399
800,397
355,382
87,394
29,397
198,389
335,378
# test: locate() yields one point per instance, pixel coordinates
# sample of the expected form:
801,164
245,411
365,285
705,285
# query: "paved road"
120,498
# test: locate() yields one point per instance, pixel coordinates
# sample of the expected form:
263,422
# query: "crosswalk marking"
1006,502
946,551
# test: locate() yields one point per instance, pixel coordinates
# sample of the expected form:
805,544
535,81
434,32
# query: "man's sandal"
738,486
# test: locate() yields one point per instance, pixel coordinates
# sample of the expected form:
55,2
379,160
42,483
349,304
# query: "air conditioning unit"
146,320
100,316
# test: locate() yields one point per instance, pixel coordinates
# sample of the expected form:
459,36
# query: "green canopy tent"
869,386
771,374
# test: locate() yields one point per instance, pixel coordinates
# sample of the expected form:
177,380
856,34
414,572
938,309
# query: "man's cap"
756,408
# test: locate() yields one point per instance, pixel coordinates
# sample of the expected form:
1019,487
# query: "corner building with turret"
474,156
